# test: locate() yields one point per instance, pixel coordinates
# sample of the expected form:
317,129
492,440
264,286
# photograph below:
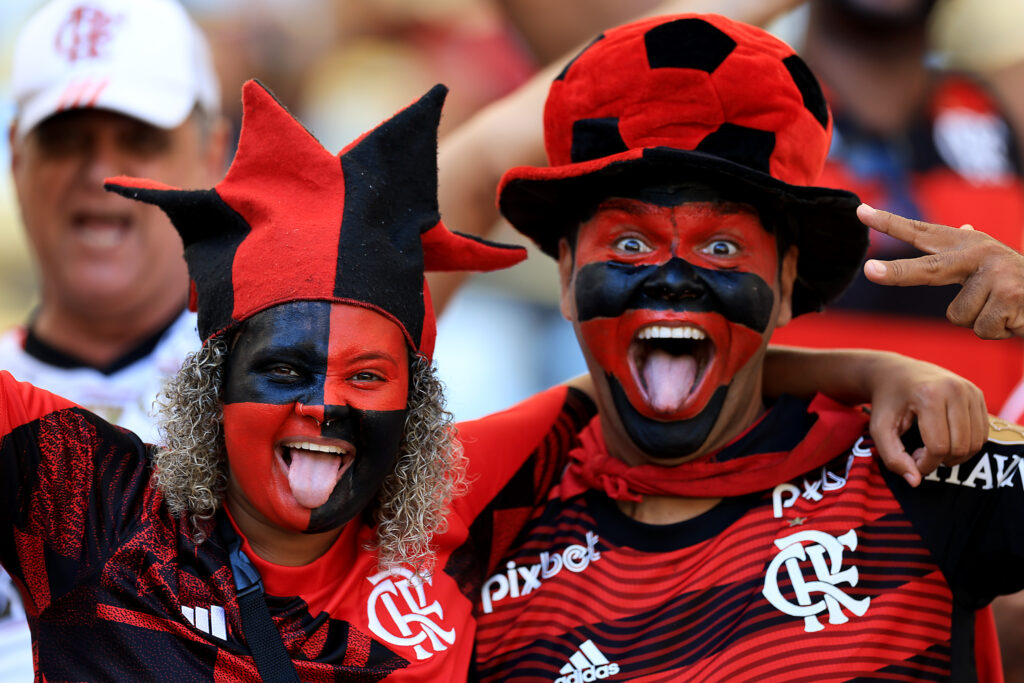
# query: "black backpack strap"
265,644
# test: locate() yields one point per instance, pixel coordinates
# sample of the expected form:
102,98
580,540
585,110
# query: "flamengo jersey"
124,397
844,573
115,591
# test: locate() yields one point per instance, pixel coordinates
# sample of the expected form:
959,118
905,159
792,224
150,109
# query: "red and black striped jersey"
116,590
845,573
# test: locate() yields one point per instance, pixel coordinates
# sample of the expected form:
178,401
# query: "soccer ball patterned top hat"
692,98
292,222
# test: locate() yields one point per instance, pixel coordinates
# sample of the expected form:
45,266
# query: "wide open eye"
632,245
721,248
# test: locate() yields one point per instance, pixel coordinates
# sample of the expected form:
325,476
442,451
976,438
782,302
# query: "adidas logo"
210,621
588,664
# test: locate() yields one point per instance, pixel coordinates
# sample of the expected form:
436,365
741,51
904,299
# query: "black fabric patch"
596,138
380,257
687,44
565,69
747,146
211,232
809,89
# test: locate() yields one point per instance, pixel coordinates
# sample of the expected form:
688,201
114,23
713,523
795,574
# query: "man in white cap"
105,88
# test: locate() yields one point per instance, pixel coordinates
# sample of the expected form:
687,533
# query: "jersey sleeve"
515,458
71,485
972,517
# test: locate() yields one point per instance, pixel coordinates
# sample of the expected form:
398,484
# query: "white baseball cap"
142,58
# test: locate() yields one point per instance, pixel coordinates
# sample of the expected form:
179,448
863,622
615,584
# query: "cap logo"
84,33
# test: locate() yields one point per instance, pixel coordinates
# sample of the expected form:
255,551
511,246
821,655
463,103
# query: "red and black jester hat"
292,222
693,98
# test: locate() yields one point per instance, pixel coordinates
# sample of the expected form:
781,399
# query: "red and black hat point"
293,222
692,98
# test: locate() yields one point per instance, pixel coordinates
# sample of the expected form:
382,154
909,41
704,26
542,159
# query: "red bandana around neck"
592,467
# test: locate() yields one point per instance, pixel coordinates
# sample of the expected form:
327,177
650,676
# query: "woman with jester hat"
330,450
309,513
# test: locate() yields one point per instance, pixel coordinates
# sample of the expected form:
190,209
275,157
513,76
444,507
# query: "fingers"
968,309
954,438
961,435
991,322
945,268
886,434
979,422
991,303
928,237
992,273
937,436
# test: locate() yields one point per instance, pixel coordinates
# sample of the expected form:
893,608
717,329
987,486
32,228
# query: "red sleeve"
515,457
71,485
21,403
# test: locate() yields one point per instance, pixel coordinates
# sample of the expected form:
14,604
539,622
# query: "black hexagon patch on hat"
687,44
809,89
748,146
596,138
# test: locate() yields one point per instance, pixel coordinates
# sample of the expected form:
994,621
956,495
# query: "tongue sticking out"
312,476
668,379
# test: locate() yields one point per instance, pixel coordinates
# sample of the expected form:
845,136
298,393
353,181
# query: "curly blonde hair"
191,469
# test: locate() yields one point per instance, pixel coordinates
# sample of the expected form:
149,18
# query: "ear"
216,155
787,277
565,264
10,144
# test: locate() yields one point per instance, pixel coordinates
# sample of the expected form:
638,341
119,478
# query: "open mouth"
100,230
668,363
314,469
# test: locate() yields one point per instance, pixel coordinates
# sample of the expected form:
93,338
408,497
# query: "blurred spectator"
112,87
923,142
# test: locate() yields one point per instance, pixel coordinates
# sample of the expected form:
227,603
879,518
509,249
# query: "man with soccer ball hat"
717,537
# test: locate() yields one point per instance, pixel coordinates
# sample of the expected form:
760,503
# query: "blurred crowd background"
343,65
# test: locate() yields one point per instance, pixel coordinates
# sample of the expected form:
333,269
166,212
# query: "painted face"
314,407
671,302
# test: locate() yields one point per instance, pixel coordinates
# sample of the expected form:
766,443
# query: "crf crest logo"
819,593
398,613
84,33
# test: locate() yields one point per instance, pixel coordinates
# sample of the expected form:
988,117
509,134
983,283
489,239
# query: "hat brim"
545,203
152,103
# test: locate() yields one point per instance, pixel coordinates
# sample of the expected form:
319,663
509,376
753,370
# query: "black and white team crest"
587,664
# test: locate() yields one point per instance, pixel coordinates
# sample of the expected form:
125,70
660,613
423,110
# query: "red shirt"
116,590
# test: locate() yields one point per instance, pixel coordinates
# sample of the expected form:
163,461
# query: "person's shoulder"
557,413
12,346
545,405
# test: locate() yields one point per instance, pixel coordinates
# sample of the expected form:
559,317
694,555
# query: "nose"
314,412
103,159
673,281
323,415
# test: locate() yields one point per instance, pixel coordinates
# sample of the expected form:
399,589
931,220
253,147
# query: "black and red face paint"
671,302
314,409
